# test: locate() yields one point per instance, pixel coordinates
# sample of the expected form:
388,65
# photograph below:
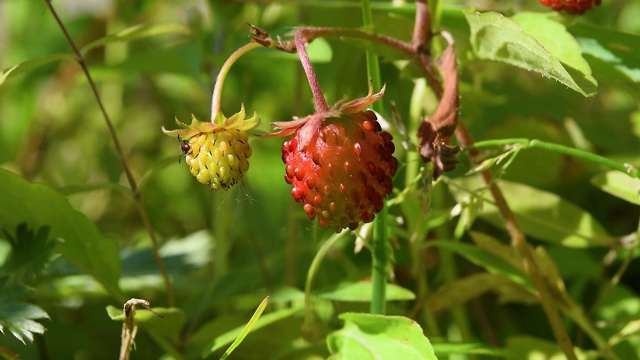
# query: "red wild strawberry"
340,164
571,6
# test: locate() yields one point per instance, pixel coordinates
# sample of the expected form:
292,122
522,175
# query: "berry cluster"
571,6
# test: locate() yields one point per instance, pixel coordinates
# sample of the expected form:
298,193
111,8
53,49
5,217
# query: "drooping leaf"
32,64
137,32
498,38
541,214
82,244
556,40
247,328
19,317
361,292
619,185
368,336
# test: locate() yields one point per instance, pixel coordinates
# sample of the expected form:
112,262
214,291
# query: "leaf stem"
222,75
560,149
116,142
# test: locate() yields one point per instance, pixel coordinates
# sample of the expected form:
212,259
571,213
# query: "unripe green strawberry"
340,164
217,152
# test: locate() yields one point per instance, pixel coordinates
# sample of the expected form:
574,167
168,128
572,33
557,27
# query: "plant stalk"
216,98
320,101
519,243
125,166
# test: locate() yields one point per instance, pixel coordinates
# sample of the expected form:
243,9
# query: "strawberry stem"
321,103
224,70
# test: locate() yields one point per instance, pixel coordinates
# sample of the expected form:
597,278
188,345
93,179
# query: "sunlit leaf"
541,214
368,336
619,185
32,64
82,244
137,32
498,38
449,348
264,320
361,292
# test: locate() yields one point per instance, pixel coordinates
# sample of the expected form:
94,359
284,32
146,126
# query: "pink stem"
321,103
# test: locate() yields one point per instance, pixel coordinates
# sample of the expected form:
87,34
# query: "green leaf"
245,331
367,336
361,292
529,347
556,40
30,252
32,64
447,348
18,317
482,258
618,50
541,214
265,320
619,185
462,290
82,244
495,37
165,330
137,32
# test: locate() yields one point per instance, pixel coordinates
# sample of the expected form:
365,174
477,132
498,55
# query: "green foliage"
561,140
368,336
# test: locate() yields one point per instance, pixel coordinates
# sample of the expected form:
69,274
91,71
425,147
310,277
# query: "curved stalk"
222,75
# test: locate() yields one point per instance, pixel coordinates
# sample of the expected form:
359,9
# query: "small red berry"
571,6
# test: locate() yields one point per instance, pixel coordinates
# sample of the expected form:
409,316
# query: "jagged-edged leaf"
498,38
18,317
31,251
541,214
368,336
361,292
30,65
82,244
137,32
619,185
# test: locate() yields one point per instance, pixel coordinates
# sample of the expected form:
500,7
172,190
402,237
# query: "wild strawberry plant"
418,180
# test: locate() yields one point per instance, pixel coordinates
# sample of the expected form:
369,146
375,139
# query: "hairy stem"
116,142
224,70
321,103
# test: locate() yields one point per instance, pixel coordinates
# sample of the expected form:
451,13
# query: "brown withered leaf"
435,132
